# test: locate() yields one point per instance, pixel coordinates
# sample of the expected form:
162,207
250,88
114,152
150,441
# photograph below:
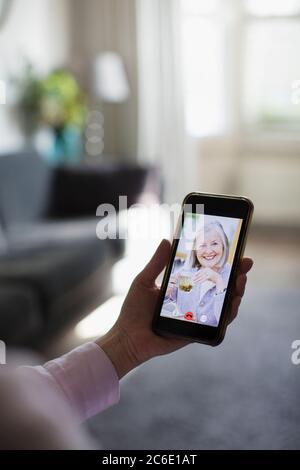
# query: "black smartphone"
198,283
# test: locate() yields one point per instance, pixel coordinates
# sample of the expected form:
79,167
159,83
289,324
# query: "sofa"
53,268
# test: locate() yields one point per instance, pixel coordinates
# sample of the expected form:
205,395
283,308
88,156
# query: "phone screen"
201,268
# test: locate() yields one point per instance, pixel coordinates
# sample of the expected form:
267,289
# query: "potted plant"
54,101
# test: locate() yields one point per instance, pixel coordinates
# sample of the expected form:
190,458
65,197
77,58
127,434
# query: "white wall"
269,178
272,181
39,31
73,32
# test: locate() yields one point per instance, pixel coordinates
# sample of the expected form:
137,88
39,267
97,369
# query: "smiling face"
210,250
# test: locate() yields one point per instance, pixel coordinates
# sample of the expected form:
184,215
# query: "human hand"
206,274
172,285
131,340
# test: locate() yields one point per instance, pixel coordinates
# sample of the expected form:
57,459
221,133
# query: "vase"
66,146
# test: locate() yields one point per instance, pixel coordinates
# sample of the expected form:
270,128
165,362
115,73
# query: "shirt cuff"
88,379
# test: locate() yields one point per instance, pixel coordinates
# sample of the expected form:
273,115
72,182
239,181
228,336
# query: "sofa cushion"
56,257
25,184
59,233
50,234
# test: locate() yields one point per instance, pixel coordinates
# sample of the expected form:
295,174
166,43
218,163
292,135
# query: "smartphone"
198,283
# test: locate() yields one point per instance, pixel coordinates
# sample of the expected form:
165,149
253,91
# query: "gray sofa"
53,269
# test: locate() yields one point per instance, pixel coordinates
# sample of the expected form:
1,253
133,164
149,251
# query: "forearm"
85,377
34,413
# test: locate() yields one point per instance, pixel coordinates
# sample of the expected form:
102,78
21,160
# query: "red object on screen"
188,315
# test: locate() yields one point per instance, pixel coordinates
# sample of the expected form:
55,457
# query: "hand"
172,286
207,274
131,340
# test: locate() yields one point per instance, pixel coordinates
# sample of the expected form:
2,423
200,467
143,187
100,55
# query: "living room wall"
73,33
42,37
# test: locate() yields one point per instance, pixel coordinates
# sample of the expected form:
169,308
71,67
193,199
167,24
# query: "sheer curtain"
161,130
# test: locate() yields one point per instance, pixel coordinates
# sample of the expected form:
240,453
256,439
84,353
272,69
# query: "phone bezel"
219,205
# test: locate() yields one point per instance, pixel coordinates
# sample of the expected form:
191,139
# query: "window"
271,64
241,57
202,56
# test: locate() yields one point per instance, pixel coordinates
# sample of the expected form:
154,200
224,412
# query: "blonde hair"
192,260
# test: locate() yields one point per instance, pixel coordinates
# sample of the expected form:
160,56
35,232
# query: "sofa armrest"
78,190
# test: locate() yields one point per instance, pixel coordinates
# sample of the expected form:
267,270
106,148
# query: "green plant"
62,102
54,100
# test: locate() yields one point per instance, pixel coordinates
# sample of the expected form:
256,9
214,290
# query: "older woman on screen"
199,288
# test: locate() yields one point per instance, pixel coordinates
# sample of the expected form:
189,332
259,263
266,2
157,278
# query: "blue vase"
66,146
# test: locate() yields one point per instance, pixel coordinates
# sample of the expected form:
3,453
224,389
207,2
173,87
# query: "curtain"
161,134
99,26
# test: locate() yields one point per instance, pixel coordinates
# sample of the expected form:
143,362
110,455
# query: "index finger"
245,265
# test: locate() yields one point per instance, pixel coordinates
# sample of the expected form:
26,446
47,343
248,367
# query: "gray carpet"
245,394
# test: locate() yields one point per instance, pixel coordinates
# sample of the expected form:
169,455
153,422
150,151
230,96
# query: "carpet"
243,394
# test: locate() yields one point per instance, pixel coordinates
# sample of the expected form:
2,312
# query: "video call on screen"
200,273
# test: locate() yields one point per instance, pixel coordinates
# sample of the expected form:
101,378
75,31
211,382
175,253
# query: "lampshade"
111,82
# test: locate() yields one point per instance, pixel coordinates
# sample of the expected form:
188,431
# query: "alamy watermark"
295,92
295,357
2,353
2,92
144,222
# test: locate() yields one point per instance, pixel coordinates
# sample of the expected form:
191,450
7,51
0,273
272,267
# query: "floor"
242,395
277,258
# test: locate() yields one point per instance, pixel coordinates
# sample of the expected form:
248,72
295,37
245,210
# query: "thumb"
157,263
